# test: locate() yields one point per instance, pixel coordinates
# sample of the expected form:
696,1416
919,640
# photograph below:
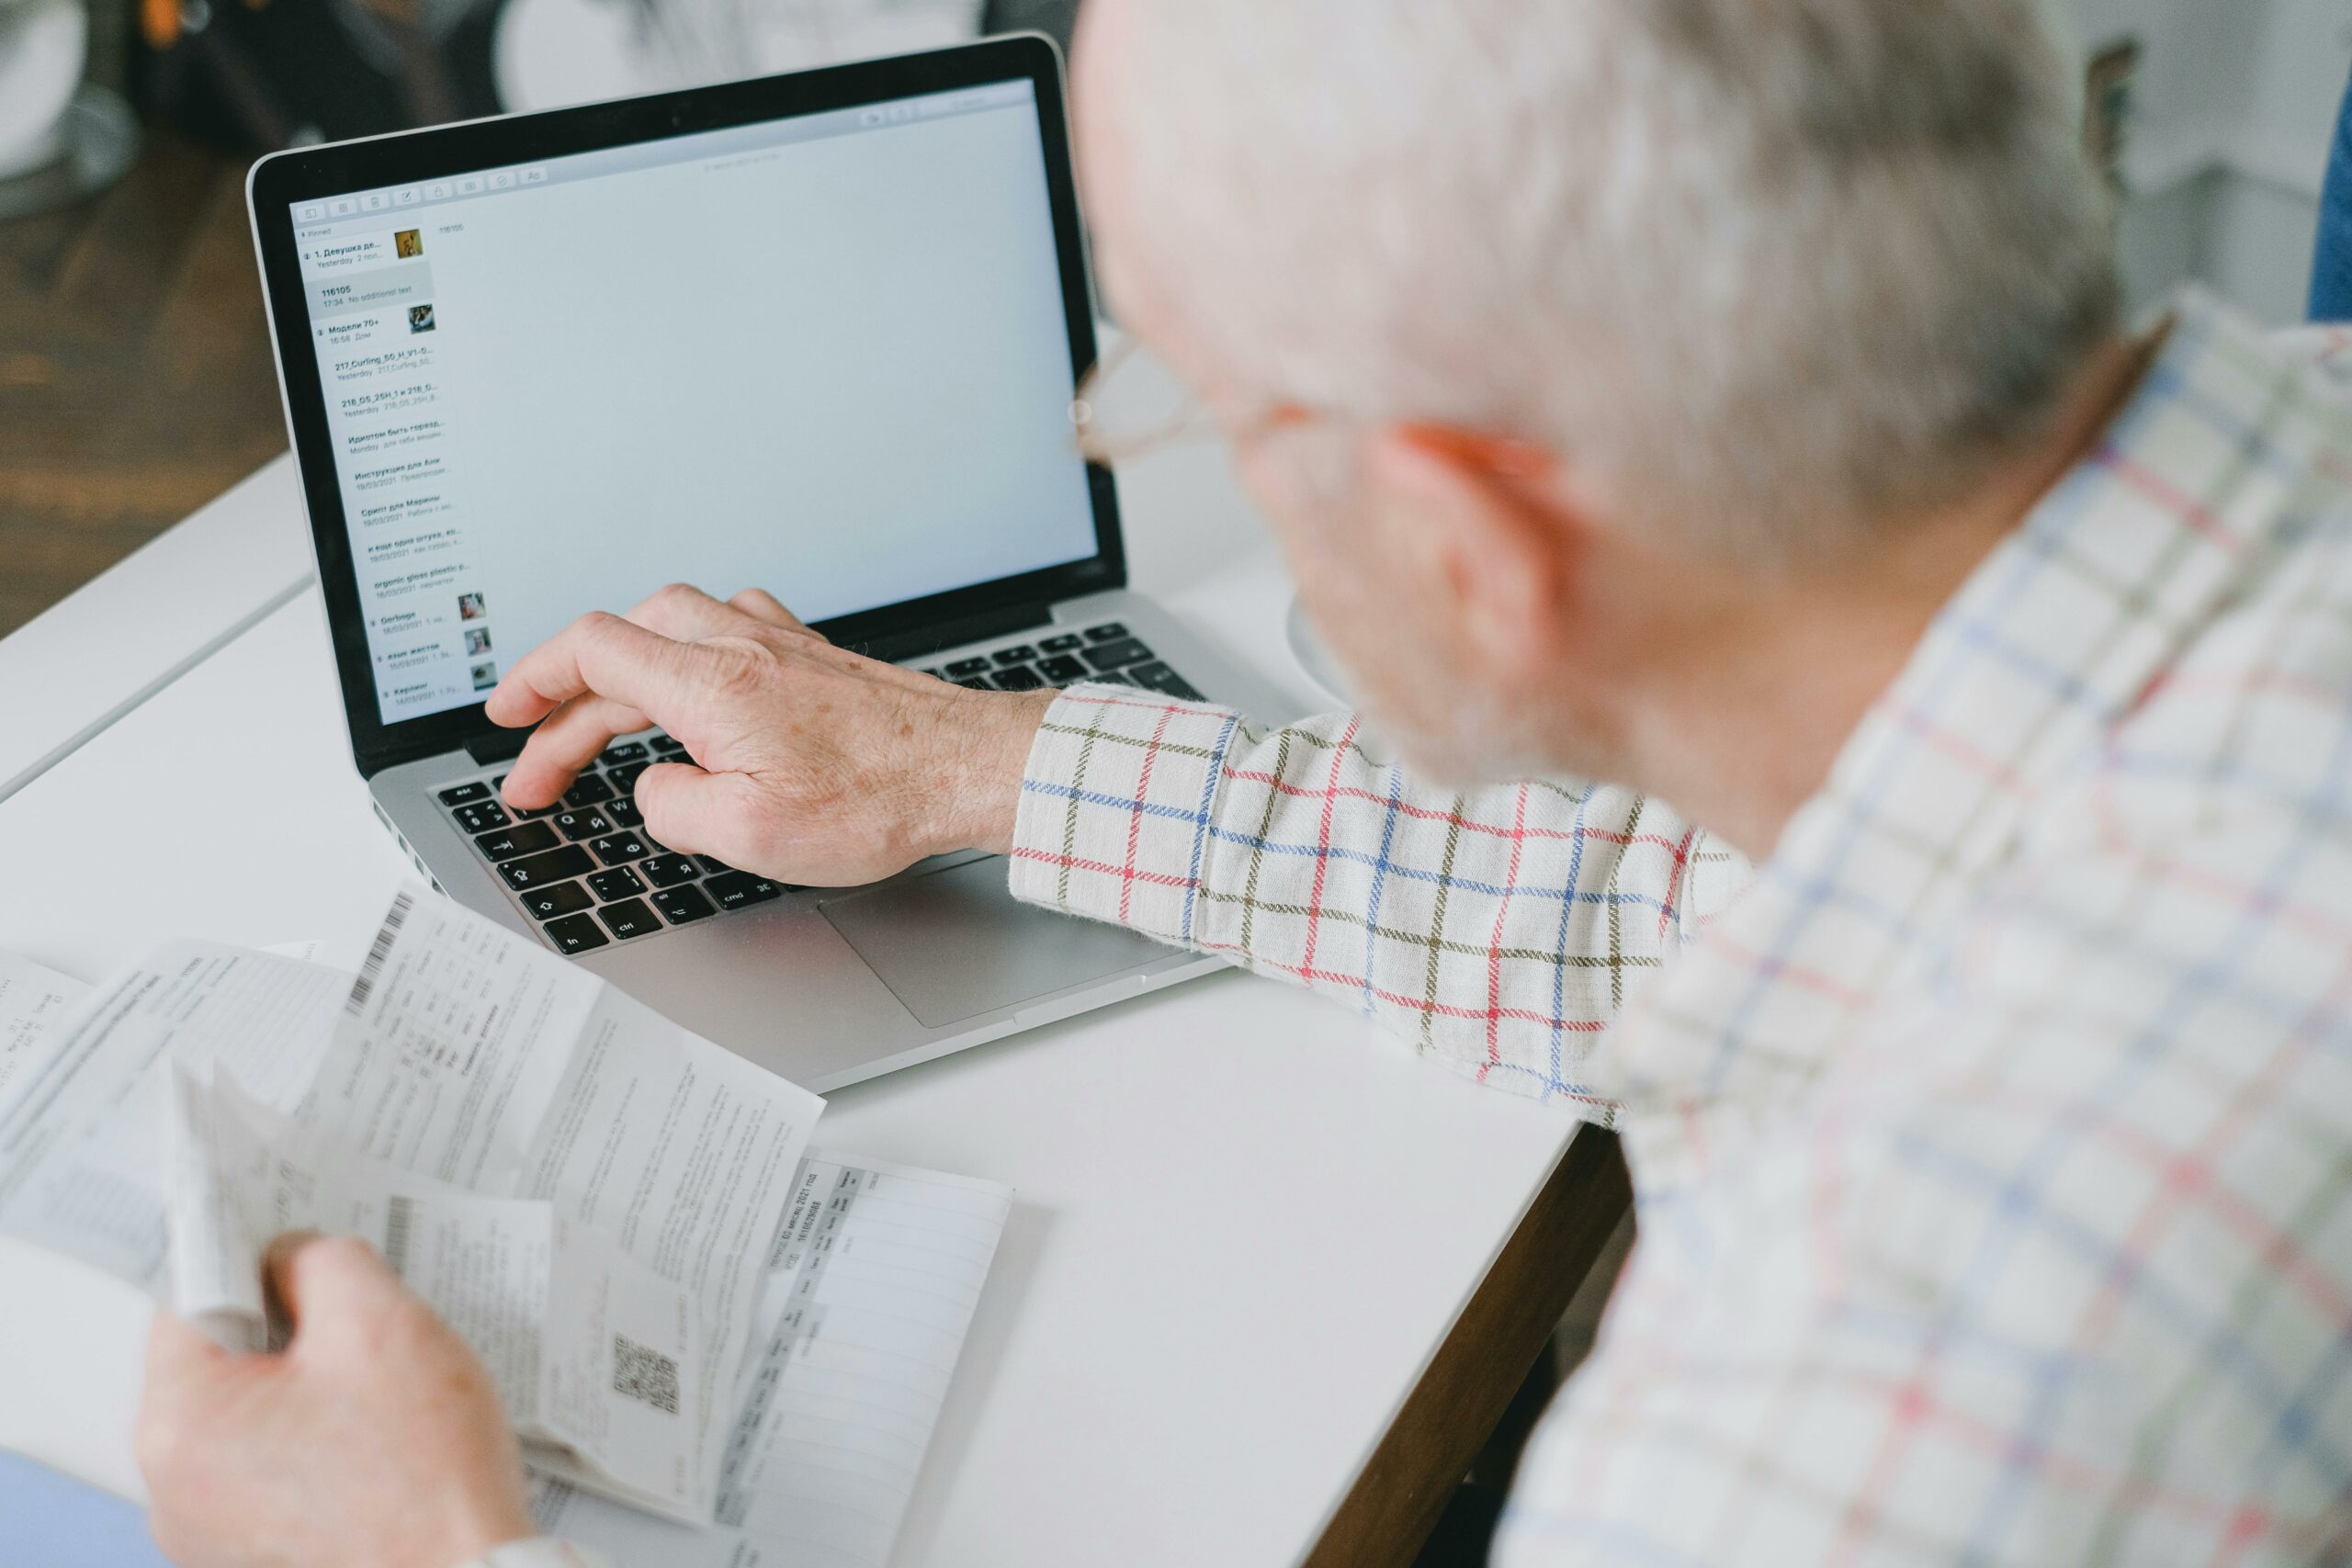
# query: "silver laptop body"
815,333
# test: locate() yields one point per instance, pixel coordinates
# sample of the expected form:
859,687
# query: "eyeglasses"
1117,420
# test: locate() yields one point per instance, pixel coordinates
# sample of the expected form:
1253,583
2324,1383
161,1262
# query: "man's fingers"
329,1282
686,614
709,814
566,741
762,606
181,1388
598,654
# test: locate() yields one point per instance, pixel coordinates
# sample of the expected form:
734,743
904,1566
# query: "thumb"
177,1358
711,814
326,1282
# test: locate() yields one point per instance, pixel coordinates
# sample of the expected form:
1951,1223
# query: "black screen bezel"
278,182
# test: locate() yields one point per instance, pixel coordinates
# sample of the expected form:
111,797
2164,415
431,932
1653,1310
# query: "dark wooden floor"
135,379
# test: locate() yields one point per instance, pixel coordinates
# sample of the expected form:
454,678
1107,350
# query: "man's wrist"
995,734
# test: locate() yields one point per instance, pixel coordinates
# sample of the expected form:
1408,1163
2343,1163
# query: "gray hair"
1766,268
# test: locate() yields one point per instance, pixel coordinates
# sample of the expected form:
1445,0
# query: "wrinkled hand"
374,1440
811,764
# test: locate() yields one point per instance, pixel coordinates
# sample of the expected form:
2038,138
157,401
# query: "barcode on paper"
646,1376
377,950
399,1226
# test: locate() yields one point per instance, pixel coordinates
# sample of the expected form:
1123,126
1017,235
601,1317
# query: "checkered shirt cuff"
1116,808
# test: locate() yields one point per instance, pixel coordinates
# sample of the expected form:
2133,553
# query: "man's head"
1576,298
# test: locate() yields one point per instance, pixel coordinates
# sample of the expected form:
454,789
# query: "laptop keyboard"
586,870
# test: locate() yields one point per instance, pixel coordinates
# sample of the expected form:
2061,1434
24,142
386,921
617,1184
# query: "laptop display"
827,356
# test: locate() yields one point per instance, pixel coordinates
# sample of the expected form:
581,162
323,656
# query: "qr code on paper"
646,1376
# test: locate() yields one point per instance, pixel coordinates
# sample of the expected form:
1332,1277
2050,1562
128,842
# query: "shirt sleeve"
1500,929
2327,350
540,1552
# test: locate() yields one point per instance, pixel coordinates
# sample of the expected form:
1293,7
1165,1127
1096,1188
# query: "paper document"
462,1054
470,1056
594,1357
79,1130
33,1002
716,1348
869,1293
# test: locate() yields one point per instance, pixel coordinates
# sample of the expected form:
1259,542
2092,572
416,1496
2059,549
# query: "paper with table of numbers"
460,1054
81,1124
595,1357
869,1291
33,1000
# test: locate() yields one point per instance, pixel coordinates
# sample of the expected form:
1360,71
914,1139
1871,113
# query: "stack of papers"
718,1346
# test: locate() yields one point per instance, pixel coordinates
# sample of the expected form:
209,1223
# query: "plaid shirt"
1994,1141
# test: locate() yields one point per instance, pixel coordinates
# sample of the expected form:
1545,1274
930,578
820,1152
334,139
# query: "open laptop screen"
825,356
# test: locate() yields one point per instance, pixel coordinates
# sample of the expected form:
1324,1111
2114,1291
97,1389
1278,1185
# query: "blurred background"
135,379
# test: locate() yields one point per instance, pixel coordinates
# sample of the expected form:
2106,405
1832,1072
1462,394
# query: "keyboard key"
589,789
523,839
680,905
578,825
936,675
627,920
624,813
498,793
610,887
668,871
713,864
624,778
1062,669
577,934
1061,644
1112,655
554,865
1110,678
967,667
1108,631
465,794
482,817
563,898
621,849
976,683
626,752
665,747
1019,653
740,889
1158,677
1019,679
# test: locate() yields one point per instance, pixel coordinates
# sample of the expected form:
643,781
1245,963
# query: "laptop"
818,334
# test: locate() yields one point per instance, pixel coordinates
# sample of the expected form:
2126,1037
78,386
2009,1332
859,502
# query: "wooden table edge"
1395,1502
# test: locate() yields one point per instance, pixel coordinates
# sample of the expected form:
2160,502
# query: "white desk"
1246,1222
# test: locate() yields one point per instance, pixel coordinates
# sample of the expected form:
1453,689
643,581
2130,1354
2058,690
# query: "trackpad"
957,943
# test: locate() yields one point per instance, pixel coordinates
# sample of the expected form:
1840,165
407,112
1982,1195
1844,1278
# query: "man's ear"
1507,544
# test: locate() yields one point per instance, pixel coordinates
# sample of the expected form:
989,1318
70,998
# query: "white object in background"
42,44
549,53
60,139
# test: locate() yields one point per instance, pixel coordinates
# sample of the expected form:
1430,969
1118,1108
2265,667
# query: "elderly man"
1724,399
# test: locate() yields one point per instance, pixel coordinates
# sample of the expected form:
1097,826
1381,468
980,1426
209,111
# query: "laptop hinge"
498,746
937,635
